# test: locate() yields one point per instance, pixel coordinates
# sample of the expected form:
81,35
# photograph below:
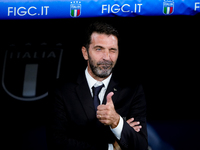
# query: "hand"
116,146
134,124
107,114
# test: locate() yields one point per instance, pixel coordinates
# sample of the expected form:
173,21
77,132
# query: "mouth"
103,66
105,63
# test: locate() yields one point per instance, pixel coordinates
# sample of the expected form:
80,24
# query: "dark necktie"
96,91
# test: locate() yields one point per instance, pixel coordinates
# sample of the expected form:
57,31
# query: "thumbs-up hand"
109,99
107,114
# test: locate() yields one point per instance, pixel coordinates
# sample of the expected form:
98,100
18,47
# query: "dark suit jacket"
72,123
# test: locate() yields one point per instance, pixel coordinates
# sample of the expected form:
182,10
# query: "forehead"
104,39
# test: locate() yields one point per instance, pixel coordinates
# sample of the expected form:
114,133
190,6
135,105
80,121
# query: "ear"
84,52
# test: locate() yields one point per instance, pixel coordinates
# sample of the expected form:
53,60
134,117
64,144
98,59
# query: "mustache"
105,62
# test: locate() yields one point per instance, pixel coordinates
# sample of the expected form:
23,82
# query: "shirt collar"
91,81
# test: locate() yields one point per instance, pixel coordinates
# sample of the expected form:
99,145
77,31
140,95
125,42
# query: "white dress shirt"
92,82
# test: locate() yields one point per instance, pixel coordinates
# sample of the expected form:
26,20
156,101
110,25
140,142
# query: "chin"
104,73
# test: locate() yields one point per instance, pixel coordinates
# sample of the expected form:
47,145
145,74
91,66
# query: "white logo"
31,11
27,74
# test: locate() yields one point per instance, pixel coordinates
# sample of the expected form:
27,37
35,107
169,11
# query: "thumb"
109,98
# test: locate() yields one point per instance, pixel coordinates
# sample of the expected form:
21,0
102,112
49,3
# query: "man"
91,113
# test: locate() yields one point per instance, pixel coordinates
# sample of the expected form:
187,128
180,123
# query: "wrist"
115,122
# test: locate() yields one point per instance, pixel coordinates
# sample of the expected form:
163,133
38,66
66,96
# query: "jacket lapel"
85,97
112,87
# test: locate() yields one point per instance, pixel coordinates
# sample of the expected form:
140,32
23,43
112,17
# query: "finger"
99,113
135,123
109,98
130,120
103,120
137,128
101,107
100,117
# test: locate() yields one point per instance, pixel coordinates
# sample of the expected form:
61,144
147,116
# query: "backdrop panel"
43,9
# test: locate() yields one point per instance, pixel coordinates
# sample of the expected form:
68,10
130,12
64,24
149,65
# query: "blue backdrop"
50,9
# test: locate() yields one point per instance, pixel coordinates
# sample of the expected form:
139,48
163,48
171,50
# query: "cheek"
114,57
95,56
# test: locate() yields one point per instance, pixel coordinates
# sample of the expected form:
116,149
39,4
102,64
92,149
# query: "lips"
105,63
105,66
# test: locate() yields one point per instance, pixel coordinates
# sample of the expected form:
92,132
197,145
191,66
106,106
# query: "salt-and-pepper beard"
101,71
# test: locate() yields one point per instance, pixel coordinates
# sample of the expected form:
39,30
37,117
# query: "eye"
98,49
113,50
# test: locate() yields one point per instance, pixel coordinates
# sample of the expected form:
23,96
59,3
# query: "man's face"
102,54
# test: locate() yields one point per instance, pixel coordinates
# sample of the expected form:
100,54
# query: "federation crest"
27,73
75,9
168,7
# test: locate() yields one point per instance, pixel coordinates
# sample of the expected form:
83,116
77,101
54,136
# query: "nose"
106,55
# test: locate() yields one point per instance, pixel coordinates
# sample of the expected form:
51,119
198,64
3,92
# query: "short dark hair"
101,28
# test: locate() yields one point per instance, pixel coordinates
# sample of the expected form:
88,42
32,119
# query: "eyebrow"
98,46
113,49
